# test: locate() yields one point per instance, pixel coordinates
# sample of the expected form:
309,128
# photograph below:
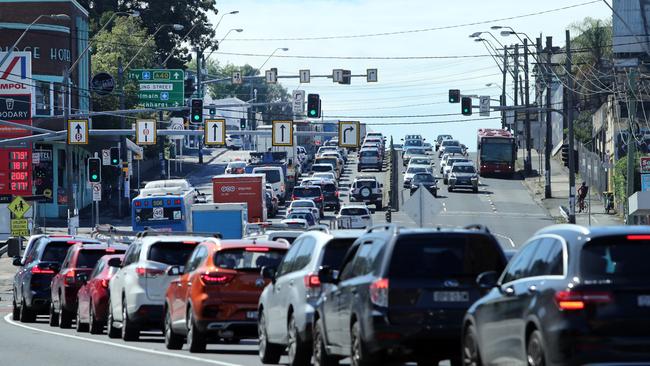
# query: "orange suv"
215,298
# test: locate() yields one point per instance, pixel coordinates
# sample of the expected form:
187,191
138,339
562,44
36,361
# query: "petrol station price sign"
16,172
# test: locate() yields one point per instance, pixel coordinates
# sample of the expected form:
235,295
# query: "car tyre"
298,351
130,331
449,189
15,313
196,341
359,354
79,326
475,190
471,355
95,327
321,358
535,354
65,317
111,330
379,205
27,315
172,340
54,316
445,181
269,353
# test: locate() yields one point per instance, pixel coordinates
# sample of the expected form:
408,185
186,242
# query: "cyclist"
582,194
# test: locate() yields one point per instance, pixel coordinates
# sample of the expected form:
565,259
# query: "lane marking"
132,348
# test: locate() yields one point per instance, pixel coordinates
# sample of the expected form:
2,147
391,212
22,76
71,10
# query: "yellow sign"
18,207
19,227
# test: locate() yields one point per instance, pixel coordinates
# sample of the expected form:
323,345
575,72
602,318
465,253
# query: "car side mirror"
115,262
327,275
268,273
487,280
17,262
175,271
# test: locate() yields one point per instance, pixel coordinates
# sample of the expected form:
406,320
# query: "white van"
274,177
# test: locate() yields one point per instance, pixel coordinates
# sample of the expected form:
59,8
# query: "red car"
216,296
77,265
92,309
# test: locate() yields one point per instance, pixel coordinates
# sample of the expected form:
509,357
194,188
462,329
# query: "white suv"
137,291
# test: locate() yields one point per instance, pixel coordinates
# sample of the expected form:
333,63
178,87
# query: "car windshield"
322,168
463,169
444,137
444,256
237,165
446,143
248,259
331,160
329,188
171,253
272,175
616,257
324,175
423,178
413,143
306,191
88,258
451,162
335,251
417,169
416,151
354,211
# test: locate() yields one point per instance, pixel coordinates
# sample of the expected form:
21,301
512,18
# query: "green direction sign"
159,87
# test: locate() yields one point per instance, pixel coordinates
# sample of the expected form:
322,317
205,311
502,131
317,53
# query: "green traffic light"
94,177
312,112
196,117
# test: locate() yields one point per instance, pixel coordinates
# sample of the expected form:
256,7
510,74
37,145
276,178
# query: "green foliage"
582,127
620,178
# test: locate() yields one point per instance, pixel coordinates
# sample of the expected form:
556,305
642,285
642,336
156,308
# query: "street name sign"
78,131
19,207
159,87
282,134
145,132
215,132
349,134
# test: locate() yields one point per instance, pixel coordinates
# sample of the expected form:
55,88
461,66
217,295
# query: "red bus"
497,152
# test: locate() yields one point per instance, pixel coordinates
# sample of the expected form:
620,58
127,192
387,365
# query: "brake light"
189,242
319,199
216,278
336,193
72,242
104,283
638,237
69,277
312,280
177,202
257,249
138,203
379,292
110,250
39,270
577,300
148,272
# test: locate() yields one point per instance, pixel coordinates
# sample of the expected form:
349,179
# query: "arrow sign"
215,132
282,133
282,127
345,134
215,128
78,132
349,134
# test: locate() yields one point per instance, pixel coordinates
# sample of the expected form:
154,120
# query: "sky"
438,59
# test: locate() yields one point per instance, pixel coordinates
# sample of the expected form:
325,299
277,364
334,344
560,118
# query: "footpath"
595,214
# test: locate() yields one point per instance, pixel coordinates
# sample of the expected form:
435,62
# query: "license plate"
497,170
450,296
251,315
643,300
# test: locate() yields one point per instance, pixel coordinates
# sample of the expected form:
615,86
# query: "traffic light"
454,95
115,156
94,170
389,215
196,110
313,106
466,106
565,154
190,86
242,124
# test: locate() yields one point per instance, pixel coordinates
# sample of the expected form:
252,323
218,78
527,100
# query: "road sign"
422,207
645,165
102,84
272,76
18,207
298,102
145,132
176,123
215,132
305,76
106,156
349,134
371,75
282,133
236,78
97,192
484,103
19,227
337,75
159,87
78,131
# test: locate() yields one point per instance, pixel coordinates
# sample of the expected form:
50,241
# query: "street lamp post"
164,63
177,27
238,30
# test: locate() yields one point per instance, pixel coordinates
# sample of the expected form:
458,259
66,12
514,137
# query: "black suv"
400,295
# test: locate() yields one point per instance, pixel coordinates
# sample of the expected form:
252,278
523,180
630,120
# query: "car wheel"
475,190
172,340
535,350
195,339
27,315
298,351
471,355
95,327
79,326
449,189
359,355
15,313
54,316
113,332
130,332
445,181
65,317
379,205
435,193
269,352
321,358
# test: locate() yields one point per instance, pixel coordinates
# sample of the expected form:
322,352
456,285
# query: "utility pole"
631,143
516,80
122,145
549,133
199,56
539,98
527,162
569,117
503,87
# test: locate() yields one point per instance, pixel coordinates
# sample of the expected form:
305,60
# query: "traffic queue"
376,294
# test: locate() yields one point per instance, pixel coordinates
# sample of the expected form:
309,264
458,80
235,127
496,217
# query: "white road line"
505,237
132,348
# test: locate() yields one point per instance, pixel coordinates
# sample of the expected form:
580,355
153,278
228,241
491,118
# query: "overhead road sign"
19,207
159,87
349,134
236,78
371,75
305,76
78,132
215,132
145,132
282,134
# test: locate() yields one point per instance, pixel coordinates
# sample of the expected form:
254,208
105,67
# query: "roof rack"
148,232
478,227
110,231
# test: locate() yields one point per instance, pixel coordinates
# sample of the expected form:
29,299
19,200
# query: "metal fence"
592,170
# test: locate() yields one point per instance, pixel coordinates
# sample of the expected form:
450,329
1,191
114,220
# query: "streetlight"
284,49
238,30
177,27
51,16
223,15
164,63
477,34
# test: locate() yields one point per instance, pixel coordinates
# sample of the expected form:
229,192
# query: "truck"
228,219
290,168
242,188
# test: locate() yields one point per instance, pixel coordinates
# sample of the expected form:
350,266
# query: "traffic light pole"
548,193
527,162
199,90
122,144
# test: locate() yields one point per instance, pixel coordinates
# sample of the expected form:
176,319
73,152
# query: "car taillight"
577,300
312,280
257,249
149,272
318,199
379,292
337,193
638,237
39,270
69,277
177,202
215,278
137,203
104,283
293,197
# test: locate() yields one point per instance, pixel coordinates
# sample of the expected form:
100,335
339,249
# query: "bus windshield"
167,212
496,152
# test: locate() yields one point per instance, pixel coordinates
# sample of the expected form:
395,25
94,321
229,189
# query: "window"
623,258
98,269
547,259
348,262
171,253
89,258
334,252
519,265
55,252
272,175
304,256
242,259
353,211
132,254
195,260
43,100
287,262
59,94
362,263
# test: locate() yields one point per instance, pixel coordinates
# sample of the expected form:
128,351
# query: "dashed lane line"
118,345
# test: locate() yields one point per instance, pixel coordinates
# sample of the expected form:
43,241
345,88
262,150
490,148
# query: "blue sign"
164,96
645,182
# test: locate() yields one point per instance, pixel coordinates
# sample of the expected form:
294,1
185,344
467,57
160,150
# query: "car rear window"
416,151
302,204
369,153
619,257
332,161
322,168
306,192
272,175
253,258
171,253
55,252
369,184
354,211
330,188
88,258
424,256
446,143
334,252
